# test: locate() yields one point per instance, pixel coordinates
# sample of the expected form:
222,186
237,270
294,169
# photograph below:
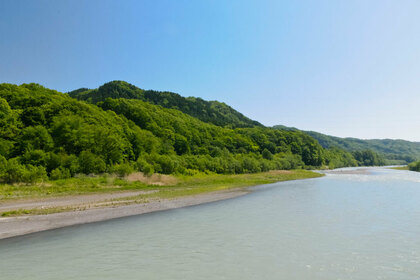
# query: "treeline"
393,152
45,134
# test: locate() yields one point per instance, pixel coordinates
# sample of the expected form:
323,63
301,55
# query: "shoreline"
46,213
23,225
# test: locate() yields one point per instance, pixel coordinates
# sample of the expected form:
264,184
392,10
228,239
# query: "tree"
90,163
267,154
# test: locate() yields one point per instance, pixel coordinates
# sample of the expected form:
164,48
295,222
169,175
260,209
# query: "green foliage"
45,132
6,147
337,158
122,169
8,121
35,157
3,163
394,151
208,111
414,166
60,173
90,163
369,158
267,154
178,132
143,166
12,172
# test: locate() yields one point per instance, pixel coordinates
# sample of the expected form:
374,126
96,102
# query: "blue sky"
345,68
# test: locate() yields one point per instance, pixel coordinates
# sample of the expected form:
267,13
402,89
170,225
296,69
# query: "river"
356,224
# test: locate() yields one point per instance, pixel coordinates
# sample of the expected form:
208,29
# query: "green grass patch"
209,183
72,186
400,167
36,211
186,185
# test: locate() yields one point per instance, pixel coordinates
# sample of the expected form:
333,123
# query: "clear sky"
345,68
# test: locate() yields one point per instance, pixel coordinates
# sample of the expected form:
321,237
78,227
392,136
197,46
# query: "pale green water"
336,227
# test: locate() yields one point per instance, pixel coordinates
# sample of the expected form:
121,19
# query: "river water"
341,226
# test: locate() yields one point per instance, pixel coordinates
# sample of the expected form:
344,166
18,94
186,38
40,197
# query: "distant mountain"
393,150
214,112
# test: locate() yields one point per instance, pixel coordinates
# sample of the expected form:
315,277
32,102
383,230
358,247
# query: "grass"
72,186
400,167
36,211
210,183
184,186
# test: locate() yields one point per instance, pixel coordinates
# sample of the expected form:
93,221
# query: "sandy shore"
15,226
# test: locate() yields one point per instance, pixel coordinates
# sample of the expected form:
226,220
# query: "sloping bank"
29,209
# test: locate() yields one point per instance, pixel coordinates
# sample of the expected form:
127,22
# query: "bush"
35,157
14,172
71,162
122,169
3,163
414,166
251,165
90,163
60,173
5,147
190,172
143,166
148,170
34,174
267,154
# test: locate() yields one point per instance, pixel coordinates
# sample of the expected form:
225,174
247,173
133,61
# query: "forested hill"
393,150
214,112
47,134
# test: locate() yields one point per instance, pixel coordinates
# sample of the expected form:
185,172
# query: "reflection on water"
342,226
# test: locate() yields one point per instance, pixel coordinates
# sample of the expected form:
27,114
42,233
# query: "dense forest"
45,134
390,151
208,111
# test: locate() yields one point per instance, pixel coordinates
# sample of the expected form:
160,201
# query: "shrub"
122,169
414,166
90,163
35,157
3,163
190,172
14,172
148,170
251,165
143,166
60,173
34,174
5,147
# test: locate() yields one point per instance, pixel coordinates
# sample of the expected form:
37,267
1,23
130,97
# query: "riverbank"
33,209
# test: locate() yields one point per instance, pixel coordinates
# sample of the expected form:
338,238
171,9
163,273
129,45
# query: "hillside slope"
48,134
214,112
